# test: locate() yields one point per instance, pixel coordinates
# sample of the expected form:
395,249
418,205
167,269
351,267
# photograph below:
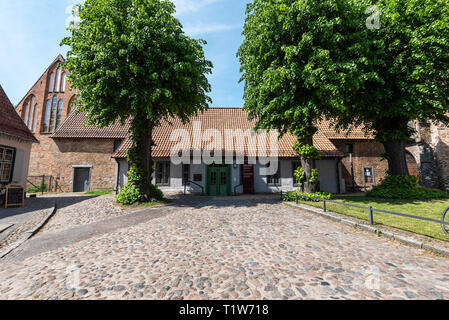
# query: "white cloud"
208,28
189,6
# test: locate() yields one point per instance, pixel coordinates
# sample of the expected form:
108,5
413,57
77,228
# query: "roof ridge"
28,92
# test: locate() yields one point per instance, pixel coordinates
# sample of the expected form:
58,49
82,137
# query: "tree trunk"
144,130
307,166
397,164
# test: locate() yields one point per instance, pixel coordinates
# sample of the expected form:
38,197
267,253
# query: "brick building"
15,145
80,157
429,155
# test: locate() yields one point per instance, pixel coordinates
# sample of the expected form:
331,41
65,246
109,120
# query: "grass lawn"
99,192
429,208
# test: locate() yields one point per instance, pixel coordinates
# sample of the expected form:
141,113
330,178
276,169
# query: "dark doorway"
248,178
81,179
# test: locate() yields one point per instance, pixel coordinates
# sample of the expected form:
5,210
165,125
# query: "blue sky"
31,30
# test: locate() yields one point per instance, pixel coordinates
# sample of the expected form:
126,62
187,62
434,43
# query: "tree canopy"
131,59
300,61
304,60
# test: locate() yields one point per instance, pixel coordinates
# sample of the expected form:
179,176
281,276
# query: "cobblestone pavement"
229,249
75,210
23,219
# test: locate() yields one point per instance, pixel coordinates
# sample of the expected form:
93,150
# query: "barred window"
163,173
6,164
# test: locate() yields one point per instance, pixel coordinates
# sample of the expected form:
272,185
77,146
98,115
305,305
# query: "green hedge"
39,188
405,187
303,196
130,194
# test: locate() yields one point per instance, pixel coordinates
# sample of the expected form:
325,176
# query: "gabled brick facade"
56,158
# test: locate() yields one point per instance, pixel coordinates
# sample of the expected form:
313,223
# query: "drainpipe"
352,172
117,175
338,175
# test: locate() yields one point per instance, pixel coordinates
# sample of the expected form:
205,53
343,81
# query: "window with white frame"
58,80
6,164
273,180
63,82
51,86
163,173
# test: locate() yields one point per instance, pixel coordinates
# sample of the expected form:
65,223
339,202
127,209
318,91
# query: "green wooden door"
218,180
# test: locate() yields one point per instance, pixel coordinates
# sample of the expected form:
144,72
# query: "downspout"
338,175
117,175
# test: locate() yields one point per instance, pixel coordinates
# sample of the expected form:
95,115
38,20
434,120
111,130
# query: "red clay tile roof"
10,122
73,127
233,118
214,118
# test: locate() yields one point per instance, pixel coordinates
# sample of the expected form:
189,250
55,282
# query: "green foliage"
306,150
299,176
156,192
303,196
305,60
129,194
301,59
131,60
43,187
410,55
314,176
404,187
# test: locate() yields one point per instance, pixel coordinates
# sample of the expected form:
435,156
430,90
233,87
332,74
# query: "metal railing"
42,183
235,188
372,210
196,184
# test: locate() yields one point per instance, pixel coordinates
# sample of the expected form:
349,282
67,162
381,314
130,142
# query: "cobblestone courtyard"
219,249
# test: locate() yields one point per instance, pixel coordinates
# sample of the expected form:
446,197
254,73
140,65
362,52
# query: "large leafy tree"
131,60
303,60
300,61
410,56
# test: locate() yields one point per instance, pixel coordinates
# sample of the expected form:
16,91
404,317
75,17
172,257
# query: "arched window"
34,118
51,127
58,116
63,82
27,110
52,82
46,116
31,113
58,80
71,104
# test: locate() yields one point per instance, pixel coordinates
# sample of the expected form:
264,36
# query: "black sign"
14,196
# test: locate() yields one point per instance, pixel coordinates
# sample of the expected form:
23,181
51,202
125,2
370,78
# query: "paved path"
22,219
224,249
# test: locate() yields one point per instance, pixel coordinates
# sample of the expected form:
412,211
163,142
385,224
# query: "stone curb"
384,233
30,233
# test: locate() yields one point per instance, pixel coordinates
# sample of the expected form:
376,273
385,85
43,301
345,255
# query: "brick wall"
431,152
366,154
92,152
56,158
